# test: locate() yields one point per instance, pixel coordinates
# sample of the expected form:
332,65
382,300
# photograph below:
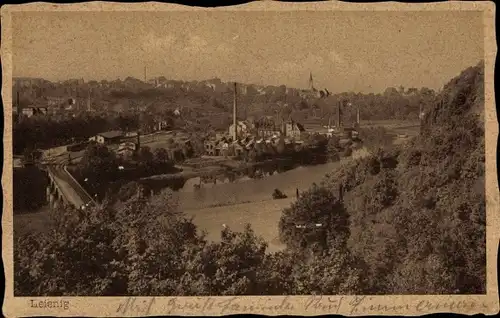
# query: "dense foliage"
29,185
99,169
40,132
420,210
409,220
375,138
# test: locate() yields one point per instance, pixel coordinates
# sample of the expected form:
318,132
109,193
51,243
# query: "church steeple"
311,82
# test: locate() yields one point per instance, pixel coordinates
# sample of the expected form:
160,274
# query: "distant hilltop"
214,84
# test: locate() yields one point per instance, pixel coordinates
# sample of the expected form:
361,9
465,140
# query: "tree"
252,155
230,267
333,148
187,150
316,206
129,190
98,162
161,155
146,156
126,123
75,259
147,122
280,147
376,138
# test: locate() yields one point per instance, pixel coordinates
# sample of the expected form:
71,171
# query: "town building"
219,136
162,125
131,134
293,130
56,100
265,127
126,149
243,129
237,148
212,148
33,111
268,132
108,137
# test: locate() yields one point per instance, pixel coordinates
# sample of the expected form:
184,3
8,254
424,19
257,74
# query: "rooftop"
112,134
299,126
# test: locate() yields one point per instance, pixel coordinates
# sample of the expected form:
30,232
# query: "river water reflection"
244,189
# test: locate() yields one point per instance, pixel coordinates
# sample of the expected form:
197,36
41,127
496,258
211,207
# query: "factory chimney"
235,122
88,101
339,110
18,104
138,146
138,143
421,115
357,116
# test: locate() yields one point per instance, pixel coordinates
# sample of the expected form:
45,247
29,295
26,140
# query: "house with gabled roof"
109,137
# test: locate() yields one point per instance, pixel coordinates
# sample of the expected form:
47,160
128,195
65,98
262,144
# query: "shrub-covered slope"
417,214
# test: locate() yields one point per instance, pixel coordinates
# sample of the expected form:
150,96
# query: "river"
245,189
249,201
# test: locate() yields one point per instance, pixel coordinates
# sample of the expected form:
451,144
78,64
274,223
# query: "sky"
344,51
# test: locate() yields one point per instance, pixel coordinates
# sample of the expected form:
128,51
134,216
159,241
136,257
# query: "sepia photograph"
212,152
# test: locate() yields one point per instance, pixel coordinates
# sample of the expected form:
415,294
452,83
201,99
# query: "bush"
277,194
347,152
376,138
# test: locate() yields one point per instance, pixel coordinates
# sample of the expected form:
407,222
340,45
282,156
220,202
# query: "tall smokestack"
138,147
88,102
421,115
18,104
357,116
235,124
338,114
145,75
138,142
283,126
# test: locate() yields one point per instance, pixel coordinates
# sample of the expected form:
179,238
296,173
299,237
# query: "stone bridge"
64,190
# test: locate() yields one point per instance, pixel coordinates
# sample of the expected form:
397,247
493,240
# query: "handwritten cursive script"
354,305
226,306
367,305
136,306
324,304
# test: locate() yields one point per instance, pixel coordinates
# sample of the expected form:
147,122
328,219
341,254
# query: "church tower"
311,82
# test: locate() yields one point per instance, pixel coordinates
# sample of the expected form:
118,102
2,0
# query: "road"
71,190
